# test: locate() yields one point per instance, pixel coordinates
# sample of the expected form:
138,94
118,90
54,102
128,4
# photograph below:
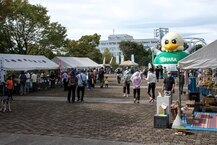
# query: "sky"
138,18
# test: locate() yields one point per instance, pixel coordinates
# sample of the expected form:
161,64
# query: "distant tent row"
78,62
17,62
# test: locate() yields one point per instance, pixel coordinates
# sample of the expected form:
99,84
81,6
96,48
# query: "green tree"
142,57
24,25
53,39
26,29
84,47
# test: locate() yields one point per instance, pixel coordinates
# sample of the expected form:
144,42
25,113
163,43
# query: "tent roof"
26,62
205,57
70,62
128,63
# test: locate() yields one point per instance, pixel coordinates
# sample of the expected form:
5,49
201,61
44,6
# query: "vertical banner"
117,59
103,61
132,58
2,69
122,58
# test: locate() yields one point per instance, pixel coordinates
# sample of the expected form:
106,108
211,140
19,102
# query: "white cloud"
138,18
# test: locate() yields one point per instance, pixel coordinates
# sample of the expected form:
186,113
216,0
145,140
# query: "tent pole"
179,97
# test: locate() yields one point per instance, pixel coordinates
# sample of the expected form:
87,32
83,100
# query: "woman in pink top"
136,81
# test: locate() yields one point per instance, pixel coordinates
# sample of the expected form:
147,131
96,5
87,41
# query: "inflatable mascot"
172,51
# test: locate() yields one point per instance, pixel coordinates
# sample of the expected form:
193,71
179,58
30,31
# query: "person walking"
181,81
106,82
157,72
10,87
151,80
101,77
82,81
64,80
126,83
89,80
27,85
34,82
23,83
169,86
119,74
72,84
136,81
52,80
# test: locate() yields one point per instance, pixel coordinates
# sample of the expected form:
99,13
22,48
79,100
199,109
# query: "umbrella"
128,63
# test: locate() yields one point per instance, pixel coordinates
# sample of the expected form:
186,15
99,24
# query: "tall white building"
114,40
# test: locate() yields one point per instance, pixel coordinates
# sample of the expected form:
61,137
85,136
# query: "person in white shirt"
82,81
34,81
27,86
151,80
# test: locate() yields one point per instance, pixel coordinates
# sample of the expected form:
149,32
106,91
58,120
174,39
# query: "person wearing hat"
136,81
126,83
169,85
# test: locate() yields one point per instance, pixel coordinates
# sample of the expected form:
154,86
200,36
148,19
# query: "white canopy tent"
128,63
205,57
78,62
17,62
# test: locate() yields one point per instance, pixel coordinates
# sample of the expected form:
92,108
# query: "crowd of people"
72,80
152,75
75,81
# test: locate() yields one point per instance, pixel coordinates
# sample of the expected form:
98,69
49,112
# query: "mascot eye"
166,41
174,41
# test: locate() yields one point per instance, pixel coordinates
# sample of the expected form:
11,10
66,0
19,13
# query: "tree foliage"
84,47
142,57
26,29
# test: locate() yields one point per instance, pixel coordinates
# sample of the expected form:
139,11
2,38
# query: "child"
106,82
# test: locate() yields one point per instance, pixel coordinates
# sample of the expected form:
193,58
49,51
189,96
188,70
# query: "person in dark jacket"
169,86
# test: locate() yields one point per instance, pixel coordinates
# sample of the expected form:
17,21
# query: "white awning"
78,62
17,62
205,57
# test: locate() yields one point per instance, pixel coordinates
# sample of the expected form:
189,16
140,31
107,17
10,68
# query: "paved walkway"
24,139
47,120
87,99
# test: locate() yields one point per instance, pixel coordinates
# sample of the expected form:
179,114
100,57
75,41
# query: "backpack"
72,81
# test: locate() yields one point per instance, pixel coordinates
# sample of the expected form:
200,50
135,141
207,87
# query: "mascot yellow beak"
171,45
